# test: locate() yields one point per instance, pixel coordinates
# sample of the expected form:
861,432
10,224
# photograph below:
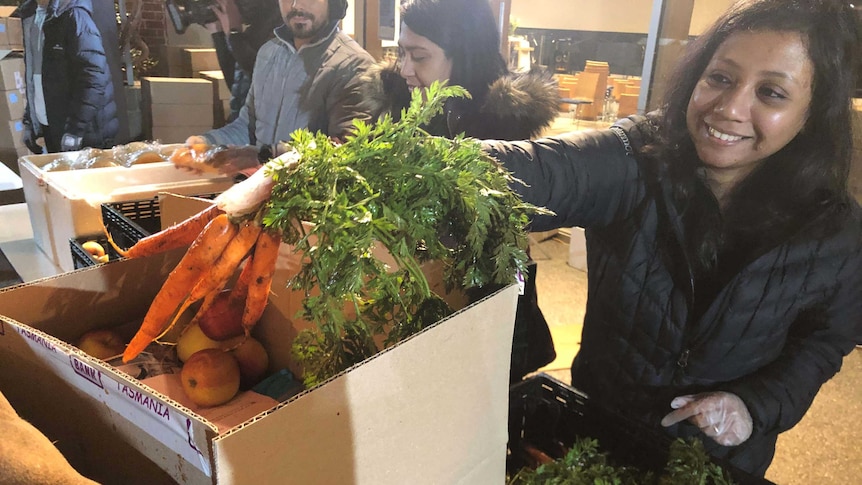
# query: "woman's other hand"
720,415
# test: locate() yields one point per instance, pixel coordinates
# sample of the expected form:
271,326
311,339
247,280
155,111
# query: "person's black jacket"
76,81
775,332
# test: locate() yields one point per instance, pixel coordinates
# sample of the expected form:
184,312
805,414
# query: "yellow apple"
192,340
102,343
210,377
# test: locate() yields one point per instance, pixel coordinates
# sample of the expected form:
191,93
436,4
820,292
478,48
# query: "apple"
210,377
192,340
223,319
102,343
253,361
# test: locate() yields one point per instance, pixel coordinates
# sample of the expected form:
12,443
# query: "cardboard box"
176,134
12,73
221,96
12,104
14,33
11,35
196,59
221,91
170,60
434,406
11,134
173,90
66,204
167,115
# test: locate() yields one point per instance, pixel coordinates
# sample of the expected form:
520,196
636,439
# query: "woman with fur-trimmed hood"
457,41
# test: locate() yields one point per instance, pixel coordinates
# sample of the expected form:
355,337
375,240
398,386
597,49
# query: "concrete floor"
824,448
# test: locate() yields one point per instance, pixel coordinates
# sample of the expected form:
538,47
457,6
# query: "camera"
186,12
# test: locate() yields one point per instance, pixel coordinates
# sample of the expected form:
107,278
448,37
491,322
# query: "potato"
94,248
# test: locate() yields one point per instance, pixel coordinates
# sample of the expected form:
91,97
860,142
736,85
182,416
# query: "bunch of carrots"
218,246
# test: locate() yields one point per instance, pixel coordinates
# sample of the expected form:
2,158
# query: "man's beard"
305,30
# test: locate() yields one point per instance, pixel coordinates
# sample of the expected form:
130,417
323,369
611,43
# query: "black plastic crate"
123,229
82,259
136,218
548,415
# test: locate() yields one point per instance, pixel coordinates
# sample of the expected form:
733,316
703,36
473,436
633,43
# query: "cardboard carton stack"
176,108
12,89
221,96
195,60
12,103
11,35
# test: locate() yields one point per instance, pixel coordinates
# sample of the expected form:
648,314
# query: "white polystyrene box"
66,204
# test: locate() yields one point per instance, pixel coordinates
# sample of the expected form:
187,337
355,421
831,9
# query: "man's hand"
720,415
196,140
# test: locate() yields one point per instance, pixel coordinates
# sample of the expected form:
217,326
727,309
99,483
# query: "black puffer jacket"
78,89
773,335
517,106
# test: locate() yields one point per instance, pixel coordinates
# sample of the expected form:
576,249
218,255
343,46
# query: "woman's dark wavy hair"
467,32
810,173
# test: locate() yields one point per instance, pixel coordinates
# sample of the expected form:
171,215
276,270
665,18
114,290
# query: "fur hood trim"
517,106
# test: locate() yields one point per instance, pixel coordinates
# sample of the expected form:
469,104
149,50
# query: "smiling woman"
751,101
724,259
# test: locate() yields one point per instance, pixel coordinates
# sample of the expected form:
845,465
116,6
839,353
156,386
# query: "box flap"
50,304
376,423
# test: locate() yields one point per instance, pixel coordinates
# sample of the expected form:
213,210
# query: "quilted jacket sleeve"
779,395
585,178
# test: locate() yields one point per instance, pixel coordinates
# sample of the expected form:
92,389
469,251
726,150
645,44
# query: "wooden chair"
585,95
601,68
628,105
631,89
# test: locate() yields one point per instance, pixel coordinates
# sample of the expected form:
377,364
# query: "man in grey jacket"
306,77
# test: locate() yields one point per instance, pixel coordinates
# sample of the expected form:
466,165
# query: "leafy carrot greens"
421,198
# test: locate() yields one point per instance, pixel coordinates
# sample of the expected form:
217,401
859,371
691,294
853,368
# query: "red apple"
253,361
210,377
223,319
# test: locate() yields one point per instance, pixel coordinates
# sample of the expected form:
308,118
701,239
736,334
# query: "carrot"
217,277
262,271
178,235
240,288
201,255
228,262
237,293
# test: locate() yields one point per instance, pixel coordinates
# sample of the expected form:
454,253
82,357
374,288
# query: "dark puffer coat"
517,106
78,88
773,335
